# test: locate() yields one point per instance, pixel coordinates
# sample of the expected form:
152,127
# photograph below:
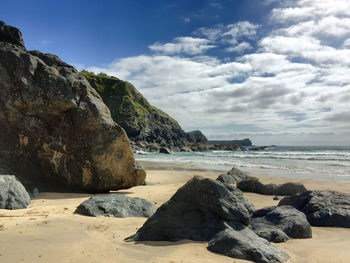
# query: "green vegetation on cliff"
141,121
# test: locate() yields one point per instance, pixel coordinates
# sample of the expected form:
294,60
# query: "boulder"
208,210
164,150
253,185
278,224
11,35
116,205
322,208
195,212
290,189
13,195
233,176
56,132
239,241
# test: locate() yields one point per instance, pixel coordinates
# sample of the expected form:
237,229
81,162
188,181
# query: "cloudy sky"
274,71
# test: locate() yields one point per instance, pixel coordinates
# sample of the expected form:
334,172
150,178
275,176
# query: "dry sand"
49,231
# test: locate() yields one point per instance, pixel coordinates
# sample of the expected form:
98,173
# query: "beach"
49,231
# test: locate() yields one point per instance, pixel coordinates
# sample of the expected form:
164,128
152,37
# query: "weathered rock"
196,136
140,172
116,205
11,35
13,195
233,176
239,241
164,150
322,208
290,189
195,212
277,224
253,185
208,210
55,130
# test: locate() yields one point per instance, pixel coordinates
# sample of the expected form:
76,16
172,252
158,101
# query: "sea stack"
55,130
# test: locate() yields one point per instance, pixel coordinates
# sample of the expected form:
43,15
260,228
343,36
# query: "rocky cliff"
55,130
196,136
146,125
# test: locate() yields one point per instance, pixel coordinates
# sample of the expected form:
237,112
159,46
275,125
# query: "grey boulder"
322,208
253,185
208,210
116,205
233,176
13,195
278,224
195,212
239,241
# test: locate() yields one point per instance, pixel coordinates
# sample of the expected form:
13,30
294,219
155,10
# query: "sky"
276,72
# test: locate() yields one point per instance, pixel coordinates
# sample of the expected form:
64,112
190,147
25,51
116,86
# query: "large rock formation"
253,185
196,136
144,123
13,195
322,208
116,205
55,131
208,210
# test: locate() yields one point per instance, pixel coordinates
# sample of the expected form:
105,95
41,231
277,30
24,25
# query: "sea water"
329,163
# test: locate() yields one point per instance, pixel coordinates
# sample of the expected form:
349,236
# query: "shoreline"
257,172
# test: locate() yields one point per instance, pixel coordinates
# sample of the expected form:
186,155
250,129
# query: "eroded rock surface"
233,176
208,210
55,131
116,205
239,241
253,185
13,195
278,224
322,208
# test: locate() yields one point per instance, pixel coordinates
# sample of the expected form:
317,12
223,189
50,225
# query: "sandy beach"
49,231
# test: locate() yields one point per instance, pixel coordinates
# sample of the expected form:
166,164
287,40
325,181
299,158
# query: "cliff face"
196,136
55,130
145,124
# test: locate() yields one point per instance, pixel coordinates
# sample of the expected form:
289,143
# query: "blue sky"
274,71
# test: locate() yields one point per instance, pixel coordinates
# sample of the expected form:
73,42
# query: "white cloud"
296,84
241,29
239,48
185,45
310,9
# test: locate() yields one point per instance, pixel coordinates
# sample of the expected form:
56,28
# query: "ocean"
310,162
